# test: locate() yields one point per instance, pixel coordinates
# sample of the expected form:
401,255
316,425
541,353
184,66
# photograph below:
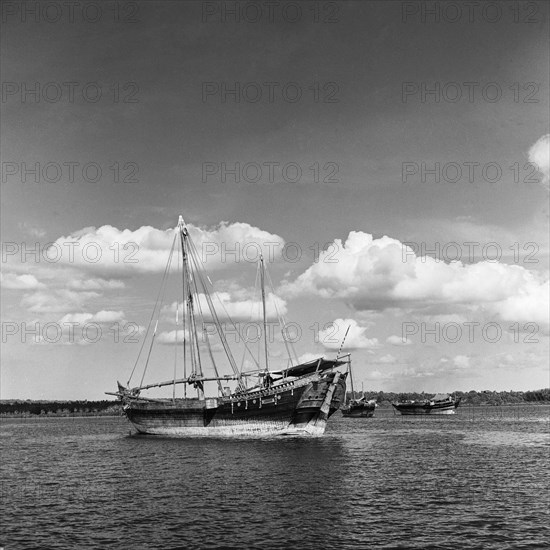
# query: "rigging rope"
176,337
198,271
159,303
152,313
282,323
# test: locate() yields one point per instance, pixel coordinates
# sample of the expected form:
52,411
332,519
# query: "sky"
391,162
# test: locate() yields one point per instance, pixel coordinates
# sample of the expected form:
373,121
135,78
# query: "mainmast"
262,282
181,226
196,366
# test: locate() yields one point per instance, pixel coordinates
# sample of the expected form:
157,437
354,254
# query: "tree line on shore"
472,397
108,407
60,408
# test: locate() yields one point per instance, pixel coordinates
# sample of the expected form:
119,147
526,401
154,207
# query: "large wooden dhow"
296,400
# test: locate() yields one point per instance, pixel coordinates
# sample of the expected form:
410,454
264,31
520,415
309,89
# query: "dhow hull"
294,408
423,409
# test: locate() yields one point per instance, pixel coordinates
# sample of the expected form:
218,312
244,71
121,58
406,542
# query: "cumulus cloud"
539,155
530,304
109,250
81,328
420,371
461,361
101,317
237,307
11,281
244,309
170,337
58,301
332,336
95,284
173,337
377,274
388,359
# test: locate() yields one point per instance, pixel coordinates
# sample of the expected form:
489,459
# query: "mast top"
181,226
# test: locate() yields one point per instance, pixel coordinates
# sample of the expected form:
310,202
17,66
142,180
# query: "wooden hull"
448,407
300,407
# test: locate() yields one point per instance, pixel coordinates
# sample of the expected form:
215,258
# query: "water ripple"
386,482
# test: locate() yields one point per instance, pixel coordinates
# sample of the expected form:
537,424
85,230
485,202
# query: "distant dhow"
441,403
359,408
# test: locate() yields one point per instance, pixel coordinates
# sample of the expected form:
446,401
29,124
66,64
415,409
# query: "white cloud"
531,304
12,281
331,337
444,318
245,309
419,371
236,306
461,361
81,328
58,301
237,242
101,317
539,155
170,337
395,340
376,274
389,359
109,250
95,284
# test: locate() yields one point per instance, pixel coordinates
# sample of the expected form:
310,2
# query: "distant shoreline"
55,416
107,407
115,410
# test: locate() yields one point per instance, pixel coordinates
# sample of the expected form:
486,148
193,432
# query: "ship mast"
196,366
262,283
349,362
181,226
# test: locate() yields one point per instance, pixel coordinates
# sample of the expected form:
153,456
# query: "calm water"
468,481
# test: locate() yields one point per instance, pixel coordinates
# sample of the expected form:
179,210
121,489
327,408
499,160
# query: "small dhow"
296,400
358,408
441,403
